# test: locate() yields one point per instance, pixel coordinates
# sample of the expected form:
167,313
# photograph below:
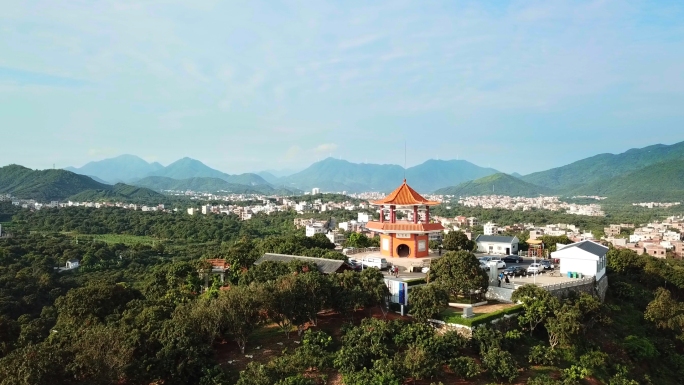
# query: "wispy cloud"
325,147
19,77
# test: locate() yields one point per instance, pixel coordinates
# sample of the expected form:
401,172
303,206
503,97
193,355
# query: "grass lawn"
454,316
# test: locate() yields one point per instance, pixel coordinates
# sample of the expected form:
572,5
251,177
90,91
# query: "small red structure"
404,238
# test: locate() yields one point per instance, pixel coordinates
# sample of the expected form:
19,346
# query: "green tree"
666,312
428,301
418,363
358,240
538,305
240,312
564,325
374,288
457,240
500,364
459,272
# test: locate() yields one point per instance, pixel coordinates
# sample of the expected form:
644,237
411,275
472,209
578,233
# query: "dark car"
515,271
512,258
548,265
354,265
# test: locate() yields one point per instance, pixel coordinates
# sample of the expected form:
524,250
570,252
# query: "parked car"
512,258
515,271
354,265
485,259
377,262
535,268
425,270
500,264
484,265
548,265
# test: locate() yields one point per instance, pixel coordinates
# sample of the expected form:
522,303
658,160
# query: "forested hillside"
604,167
497,184
660,182
119,192
45,185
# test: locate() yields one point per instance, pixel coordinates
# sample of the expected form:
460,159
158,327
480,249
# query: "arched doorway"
403,251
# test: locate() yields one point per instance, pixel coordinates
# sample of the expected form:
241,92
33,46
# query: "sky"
520,86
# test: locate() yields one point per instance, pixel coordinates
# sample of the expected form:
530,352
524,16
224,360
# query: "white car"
484,265
378,263
425,270
535,268
499,263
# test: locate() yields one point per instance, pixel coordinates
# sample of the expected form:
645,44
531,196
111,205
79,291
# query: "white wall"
497,248
584,266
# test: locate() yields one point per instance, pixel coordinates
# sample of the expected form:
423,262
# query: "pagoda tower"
404,238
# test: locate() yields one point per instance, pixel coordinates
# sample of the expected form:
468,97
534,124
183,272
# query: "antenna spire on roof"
404,161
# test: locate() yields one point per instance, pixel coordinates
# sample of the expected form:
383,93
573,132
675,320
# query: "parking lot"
526,262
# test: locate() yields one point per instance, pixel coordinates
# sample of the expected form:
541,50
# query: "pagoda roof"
404,227
404,195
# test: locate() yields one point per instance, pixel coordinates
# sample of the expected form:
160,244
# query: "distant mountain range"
49,185
130,168
336,175
650,173
119,169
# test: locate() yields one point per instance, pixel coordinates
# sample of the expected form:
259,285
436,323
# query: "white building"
206,209
586,257
497,244
315,191
335,237
72,264
192,211
314,229
363,218
491,228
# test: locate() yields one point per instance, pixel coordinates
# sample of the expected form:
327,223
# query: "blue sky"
250,85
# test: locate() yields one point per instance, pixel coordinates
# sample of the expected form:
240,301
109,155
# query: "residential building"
617,242
72,264
491,228
635,247
612,230
315,228
335,237
496,244
461,221
472,221
654,250
315,191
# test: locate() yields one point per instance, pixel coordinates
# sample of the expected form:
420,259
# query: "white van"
377,262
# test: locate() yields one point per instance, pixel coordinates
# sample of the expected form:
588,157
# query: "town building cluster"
657,239
651,205
524,204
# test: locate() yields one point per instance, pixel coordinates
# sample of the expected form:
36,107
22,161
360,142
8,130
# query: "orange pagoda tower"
404,238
